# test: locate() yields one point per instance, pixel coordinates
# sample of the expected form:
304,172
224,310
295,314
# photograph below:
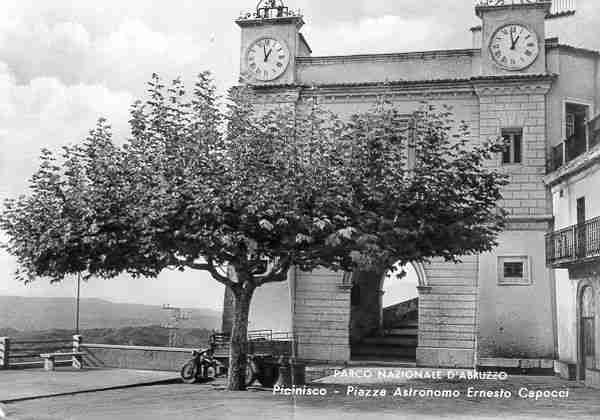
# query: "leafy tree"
204,186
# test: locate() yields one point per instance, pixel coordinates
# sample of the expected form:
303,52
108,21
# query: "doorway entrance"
587,331
384,315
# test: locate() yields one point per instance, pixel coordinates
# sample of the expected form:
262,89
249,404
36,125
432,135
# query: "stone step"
393,340
388,362
404,324
412,331
385,352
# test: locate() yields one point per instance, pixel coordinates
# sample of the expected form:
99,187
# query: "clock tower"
513,36
271,41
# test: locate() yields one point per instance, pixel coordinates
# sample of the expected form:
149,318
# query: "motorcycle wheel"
189,372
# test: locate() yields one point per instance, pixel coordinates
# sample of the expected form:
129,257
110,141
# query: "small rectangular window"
514,271
513,151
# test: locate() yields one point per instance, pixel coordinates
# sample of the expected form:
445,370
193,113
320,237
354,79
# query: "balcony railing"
492,3
573,245
594,129
558,8
575,146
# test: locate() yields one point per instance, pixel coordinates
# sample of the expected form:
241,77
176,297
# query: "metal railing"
575,146
259,342
492,3
559,8
575,244
557,158
594,130
562,7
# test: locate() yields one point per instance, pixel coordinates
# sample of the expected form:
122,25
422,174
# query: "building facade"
495,309
573,248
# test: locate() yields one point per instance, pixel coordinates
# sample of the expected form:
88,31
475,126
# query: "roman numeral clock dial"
514,47
267,59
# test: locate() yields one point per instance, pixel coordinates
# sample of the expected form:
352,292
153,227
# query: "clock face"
267,59
514,47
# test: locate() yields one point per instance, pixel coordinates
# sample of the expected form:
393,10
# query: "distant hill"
35,314
152,335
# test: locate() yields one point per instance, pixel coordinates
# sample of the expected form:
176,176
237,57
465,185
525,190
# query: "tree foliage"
203,183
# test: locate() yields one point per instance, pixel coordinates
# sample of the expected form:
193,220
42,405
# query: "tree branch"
210,267
219,277
278,273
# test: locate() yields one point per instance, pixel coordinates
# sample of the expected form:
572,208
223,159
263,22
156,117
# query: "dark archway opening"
384,316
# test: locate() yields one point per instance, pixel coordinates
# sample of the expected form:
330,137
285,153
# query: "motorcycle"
204,367
201,367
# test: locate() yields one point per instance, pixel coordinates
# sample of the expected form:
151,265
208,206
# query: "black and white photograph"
299,209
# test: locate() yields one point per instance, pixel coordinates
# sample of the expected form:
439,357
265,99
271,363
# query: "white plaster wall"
566,316
516,321
585,184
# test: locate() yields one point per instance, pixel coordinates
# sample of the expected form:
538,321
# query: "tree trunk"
238,353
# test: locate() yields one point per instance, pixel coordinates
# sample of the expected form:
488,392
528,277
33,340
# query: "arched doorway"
400,298
587,330
384,314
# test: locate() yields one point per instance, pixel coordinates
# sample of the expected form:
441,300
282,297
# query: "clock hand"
517,39
265,52
268,54
512,39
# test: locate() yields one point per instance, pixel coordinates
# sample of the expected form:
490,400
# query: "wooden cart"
266,349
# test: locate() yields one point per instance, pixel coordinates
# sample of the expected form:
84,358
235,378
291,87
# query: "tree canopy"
299,186
202,183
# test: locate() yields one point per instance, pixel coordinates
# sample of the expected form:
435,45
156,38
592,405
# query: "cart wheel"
189,372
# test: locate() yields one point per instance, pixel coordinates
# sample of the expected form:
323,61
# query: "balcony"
575,146
574,245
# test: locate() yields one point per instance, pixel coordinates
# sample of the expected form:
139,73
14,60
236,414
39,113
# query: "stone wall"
135,357
321,315
517,321
519,105
447,314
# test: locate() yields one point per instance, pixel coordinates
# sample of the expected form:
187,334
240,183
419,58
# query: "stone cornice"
538,84
360,91
530,218
277,95
391,90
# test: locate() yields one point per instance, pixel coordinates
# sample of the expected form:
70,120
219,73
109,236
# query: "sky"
65,63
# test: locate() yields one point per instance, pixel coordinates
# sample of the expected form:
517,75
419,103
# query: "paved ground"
211,401
27,383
